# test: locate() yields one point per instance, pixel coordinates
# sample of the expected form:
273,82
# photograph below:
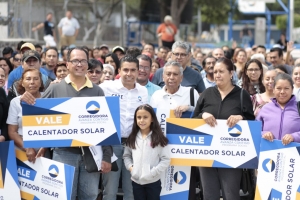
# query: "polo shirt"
129,101
191,78
151,89
87,83
162,99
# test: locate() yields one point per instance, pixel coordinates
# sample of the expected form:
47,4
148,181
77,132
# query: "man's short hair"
129,59
133,52
77,48
38,46
164,48
277,49
150,45
204,61
51,48
7,50
173,63
261,46
145,58
183,45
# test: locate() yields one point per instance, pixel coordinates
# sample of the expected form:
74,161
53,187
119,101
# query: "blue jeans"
111,179
149,191
85,185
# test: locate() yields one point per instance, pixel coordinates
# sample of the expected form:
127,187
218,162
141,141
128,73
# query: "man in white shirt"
208,66
68,28
131,95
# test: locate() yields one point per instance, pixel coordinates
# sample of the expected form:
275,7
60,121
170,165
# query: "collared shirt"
129,101
87,83
162,99
151,89
208,83
296,92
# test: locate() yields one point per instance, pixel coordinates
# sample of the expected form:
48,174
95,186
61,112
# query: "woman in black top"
222,102
3,115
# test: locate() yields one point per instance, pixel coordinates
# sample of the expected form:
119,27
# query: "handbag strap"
192,101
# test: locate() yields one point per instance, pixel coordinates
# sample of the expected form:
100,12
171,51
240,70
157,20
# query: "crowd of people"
226,83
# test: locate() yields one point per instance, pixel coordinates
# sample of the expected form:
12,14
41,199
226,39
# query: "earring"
231,78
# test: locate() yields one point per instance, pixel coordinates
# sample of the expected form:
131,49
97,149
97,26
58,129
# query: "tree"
175,7
282,19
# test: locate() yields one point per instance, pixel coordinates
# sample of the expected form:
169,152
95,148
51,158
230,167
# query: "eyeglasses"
183,55
146,68
76,62
253,70
95,71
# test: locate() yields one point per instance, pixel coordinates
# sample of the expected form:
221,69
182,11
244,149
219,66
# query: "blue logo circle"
235,131
53,171
92,107
180,177
268,165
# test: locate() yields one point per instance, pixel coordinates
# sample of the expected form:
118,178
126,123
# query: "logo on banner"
53,171
235,131
93,107
180,177
268,165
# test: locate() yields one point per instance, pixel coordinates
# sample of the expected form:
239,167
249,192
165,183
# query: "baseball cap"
118,48
103,46
28,45
31,54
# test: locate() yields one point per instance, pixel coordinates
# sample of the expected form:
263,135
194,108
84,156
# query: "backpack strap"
192,101
241,98
298,106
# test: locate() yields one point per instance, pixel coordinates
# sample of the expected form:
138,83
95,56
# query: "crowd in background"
228,83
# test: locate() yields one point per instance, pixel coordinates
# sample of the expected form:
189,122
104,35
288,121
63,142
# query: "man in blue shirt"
181,52
145,63
51,59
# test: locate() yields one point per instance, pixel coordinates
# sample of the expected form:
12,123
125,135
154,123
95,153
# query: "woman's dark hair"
250,88
116,60
60,64
10,65
282,68
228,63
237,53
21,89
93,63
157,136
155,61
282,76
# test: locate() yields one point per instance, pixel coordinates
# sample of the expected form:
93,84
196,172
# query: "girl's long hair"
246,80
157,136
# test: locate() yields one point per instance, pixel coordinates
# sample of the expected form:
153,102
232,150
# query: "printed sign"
9,184
68,122
175,183
194,143
45,179
278,171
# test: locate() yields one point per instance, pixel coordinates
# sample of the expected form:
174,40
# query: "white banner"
45,179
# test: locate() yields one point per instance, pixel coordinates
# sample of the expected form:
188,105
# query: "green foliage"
281,21
214,11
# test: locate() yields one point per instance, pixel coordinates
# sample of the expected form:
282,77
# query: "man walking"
49,33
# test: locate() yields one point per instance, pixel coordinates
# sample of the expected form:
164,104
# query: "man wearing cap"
119,51
68,29
31,59
27,46
103,51
34,61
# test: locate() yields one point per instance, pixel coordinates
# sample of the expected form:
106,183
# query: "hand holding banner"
69,122
278,171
